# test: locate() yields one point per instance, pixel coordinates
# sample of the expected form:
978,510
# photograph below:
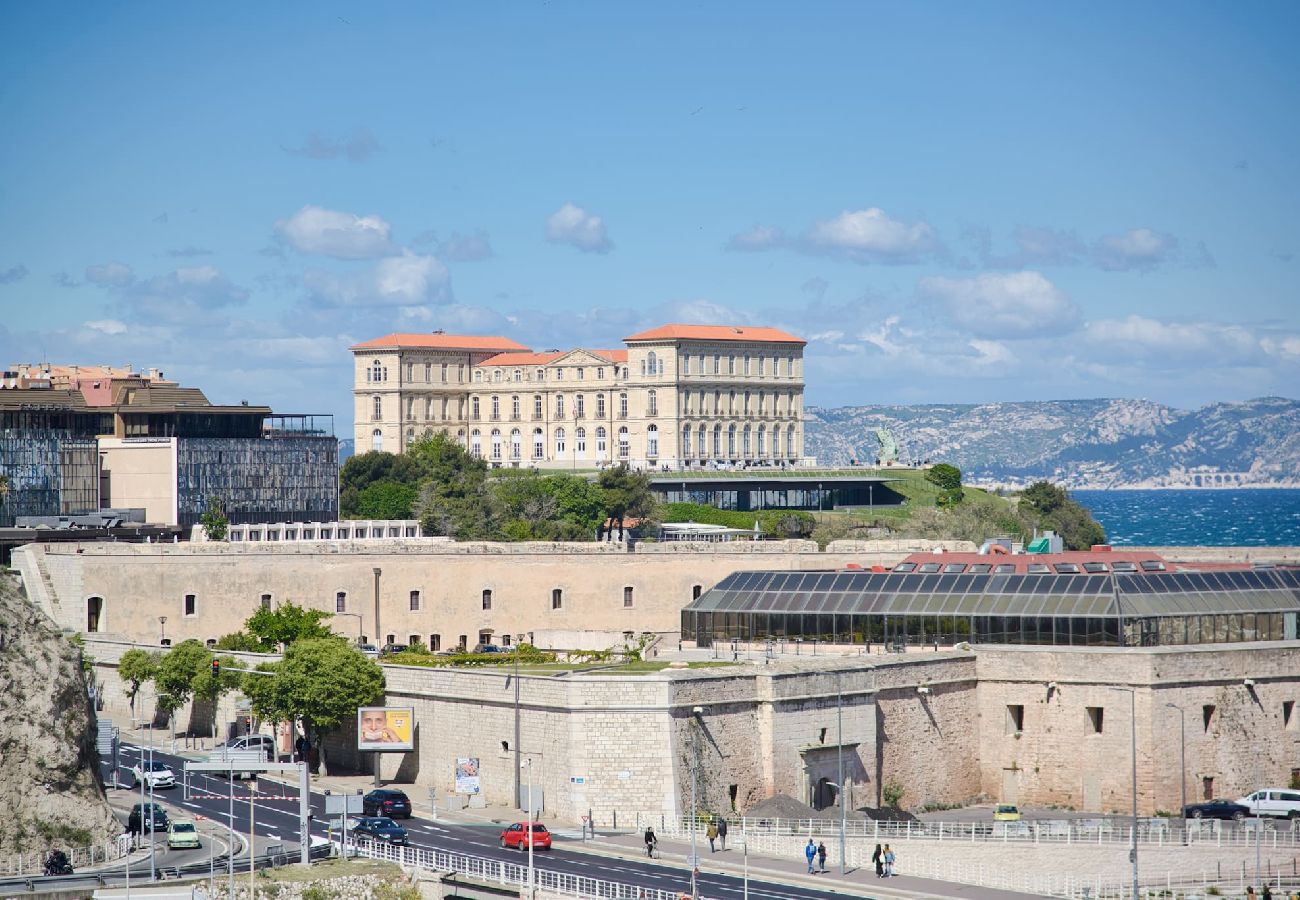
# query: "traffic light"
216,668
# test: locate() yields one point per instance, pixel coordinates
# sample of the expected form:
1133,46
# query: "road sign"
344,804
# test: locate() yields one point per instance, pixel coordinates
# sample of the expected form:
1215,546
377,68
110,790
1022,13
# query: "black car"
1216,809
392,649
385,802
141,820
379,828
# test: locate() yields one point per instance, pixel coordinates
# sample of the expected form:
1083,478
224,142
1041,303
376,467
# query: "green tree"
274,628
210,689
386,500
1044,497
176,673
214,521
1052,507
535,507
368,469
454,497
135,668
240,642
944,476
320,682
627,494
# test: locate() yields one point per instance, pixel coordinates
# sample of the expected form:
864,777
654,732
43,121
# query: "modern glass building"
1113,603
753,490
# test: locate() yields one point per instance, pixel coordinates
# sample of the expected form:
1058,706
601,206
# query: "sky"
952,203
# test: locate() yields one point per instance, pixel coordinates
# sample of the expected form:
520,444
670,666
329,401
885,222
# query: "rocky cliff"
1079,443
50,790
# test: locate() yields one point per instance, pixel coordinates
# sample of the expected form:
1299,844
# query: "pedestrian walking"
722,833
650,841
712,834
821,856
878,858
1268,893
810,853
889,862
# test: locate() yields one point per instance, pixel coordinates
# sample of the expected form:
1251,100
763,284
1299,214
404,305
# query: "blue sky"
952,202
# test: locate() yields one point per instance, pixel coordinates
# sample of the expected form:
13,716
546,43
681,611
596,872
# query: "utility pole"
379,633
518,803
697,713
839,739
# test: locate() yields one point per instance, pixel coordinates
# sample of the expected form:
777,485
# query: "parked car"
1006,812
519,835
369,650
1216,809
1273,802
182,833
146,817
155,775
378,828
392,649
487,648
386,802
263,742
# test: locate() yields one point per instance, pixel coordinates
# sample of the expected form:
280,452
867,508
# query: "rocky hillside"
1079,443
50,792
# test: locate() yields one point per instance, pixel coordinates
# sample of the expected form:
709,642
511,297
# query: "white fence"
513,874
1282,835
33,862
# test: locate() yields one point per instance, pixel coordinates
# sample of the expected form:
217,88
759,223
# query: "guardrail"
33,863
1279,835
513,874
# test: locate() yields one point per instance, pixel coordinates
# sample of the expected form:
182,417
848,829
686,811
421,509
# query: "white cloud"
991,352
760,237
1139,249
115,274
575,226
406,280
994,304
107,326
342,235
869,235
358,146
1175,343
188,295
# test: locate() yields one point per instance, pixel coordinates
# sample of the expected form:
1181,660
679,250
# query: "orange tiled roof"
614,356
715,333
521,359
441,341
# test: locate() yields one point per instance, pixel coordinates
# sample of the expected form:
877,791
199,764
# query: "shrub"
892,793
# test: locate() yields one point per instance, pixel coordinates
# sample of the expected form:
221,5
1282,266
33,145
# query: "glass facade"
259,480
51,460
745,493
1075,609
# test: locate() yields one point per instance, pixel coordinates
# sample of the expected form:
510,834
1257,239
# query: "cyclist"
650,841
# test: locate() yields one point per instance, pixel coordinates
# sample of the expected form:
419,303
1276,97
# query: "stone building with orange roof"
677,396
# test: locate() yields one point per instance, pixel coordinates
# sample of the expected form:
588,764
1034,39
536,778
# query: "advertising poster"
386,728
467,775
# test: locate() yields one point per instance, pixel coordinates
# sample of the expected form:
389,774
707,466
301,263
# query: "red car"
519,836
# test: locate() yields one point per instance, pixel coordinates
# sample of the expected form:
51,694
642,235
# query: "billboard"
467,775
386,728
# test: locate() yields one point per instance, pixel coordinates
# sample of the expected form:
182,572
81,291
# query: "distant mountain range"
1078,443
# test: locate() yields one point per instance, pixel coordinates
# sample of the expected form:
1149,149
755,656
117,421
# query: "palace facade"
676,396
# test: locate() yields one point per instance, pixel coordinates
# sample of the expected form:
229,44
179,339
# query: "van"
1278,802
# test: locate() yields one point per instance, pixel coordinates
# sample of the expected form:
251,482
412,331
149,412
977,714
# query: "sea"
1252,517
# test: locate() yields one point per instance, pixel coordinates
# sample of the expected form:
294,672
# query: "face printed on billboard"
386,728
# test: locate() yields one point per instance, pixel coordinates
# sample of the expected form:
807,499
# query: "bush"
892,793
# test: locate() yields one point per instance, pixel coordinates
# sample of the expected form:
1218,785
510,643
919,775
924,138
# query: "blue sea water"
1263,517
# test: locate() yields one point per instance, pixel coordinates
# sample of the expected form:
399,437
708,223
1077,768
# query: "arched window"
496,374
516,444
623,446
579,406
791,445
541,374
496,407
475,443
377,440
496,443
539,444
776,441
731,441
341,602
94,613
762,438
652,442
478,376
557,598
651,362
686,442
559,442
745,447
622,405
376,372
600,373
600,442
559,406
474,408
652,403
376,408
519,375
600,406
580,443
717,441
704,448
537,406
514,407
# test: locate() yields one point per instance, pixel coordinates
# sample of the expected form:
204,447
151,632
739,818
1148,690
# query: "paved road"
276,819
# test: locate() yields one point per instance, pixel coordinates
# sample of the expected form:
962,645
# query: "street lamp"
162,630
1133,843
1182,733
528,764
518,802
698,714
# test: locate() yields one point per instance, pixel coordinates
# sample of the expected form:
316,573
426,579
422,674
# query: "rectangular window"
1207,716
627,597
717,364
444,373
428,371
487,599
415,601
557,598
266,601
341,602
731,365
1096,719
1207,787
1288,715
1015,718
686,365
435,642
582,373
190,604
761,366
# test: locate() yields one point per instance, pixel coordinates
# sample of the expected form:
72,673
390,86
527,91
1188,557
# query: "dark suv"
384,802
141,820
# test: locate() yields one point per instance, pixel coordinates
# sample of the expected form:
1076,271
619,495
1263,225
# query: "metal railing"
33,862
513,874
1282,835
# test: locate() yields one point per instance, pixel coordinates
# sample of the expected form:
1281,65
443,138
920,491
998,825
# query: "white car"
155,775
1273,802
